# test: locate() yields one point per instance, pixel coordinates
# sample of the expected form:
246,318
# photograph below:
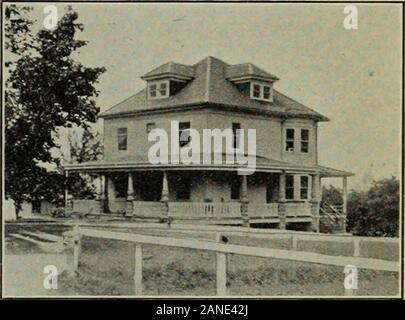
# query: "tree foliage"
375,212
332,195
45,89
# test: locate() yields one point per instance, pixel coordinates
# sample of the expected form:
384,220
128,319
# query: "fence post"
221,270
76,248
138,270
294,242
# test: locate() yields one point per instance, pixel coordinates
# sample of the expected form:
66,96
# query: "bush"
375,212
59,213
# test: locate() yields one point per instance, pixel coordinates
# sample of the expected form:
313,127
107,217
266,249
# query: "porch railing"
148,209
298,209
204,210
263,210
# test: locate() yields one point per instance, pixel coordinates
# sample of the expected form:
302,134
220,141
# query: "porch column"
244,202
129,208
100,194
282,202
344,198
165,198
105,192
315,198
68,200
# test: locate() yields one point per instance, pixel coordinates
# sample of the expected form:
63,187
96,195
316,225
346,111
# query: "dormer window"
256,91
158,89
261,91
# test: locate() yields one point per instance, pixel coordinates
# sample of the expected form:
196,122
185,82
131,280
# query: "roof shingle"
210,87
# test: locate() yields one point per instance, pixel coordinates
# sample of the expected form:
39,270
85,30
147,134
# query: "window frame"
158,89
261,87
304,142
148,129
304,188
122,135
291,140
236,134
289,187
184,143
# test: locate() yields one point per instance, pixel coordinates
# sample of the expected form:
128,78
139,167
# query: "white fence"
221,251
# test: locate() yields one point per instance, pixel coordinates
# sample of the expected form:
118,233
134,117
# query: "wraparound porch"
210,197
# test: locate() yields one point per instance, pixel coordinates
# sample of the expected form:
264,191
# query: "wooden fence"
221,250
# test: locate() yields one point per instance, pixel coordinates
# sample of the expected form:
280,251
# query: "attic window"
158,89
260,91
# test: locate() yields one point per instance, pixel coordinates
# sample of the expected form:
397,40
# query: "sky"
351,76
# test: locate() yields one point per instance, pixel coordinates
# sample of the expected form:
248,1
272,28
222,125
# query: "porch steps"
332,219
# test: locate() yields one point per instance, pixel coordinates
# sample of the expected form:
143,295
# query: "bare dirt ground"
107,268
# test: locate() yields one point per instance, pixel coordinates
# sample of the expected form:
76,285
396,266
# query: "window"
150,126
289,187
289,140
266,93
304,140
256,91
235,134
235,188
158,89
184,133
261,91
183,191
304,188
122,138
152,90
163,89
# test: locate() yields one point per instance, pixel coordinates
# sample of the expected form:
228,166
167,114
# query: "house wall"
204,186
270,134
137,143
268,130
297,156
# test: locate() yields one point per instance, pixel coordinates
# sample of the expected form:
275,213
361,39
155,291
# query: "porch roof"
263,164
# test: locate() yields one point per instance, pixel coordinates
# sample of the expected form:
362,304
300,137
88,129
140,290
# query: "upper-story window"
158,89
122,134
304,182
289,140
235,134
260,91
304,140
150,126
184,133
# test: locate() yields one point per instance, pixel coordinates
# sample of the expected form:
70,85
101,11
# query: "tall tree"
45,89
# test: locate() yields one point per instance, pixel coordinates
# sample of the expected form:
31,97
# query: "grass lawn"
107,268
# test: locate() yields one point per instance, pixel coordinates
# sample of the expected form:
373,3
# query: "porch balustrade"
263,210
204,210
298,209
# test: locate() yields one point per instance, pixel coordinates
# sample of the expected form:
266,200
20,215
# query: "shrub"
375,212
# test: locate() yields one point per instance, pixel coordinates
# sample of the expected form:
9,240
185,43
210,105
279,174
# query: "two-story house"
211,94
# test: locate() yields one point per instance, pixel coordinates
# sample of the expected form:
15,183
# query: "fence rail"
221,251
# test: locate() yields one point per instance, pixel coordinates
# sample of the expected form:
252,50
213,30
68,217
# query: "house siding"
297,156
